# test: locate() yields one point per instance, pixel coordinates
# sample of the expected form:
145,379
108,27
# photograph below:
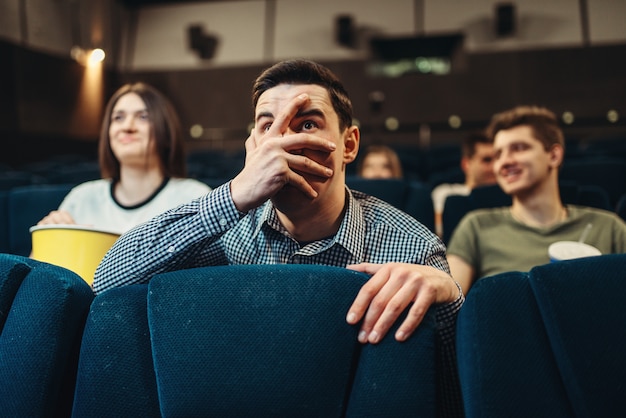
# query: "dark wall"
585,81
217,98
38,95
8,95
39,105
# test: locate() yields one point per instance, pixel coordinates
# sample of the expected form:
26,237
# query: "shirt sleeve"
183,237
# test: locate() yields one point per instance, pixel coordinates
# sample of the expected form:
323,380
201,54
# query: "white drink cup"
568,250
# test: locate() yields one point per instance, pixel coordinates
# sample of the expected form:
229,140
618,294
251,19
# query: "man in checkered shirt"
290,204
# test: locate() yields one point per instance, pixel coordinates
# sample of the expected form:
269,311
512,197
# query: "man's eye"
266,127
308,125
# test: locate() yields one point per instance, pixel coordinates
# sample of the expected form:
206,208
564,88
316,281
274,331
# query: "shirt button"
171,249
223,222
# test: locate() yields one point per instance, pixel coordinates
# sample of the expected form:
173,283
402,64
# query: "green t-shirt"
492,241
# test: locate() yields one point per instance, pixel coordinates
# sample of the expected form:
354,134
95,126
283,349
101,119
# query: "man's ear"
351,140
556,155
464,164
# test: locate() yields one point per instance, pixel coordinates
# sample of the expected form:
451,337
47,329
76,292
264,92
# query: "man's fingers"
368,268
283,119
366,294
300,183
386,308
57,217
297,142
250,143
415,315
389,293
305,165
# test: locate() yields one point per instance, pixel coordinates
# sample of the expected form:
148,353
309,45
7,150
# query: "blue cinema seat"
609,173
10,179
412,197
4,221
74,174
42,313
457,206
547,343
492,196
27,205
247,340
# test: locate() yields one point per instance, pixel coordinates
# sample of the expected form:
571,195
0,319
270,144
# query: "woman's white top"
92,203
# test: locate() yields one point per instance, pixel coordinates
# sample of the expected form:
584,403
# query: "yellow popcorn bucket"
77,248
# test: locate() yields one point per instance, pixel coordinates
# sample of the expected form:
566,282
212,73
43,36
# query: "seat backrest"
11,179
419,204
527,347
4,221
451,175
27,205
42,314
456,207
248,340
505,362
115,370
412,197
593,196
582,307
492,196
75,173
392,191
605,172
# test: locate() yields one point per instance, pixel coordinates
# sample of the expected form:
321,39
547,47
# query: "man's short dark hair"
468,148
306,72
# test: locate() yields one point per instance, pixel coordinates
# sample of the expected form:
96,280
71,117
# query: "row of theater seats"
22,207
547,343
263,340
49,172
229,341
594,162
442,160
415,199
588,168
492,196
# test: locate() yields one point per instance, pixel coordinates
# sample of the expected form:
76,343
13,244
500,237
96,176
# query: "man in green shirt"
529,148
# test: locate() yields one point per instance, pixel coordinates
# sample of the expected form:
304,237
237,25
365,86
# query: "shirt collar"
351,233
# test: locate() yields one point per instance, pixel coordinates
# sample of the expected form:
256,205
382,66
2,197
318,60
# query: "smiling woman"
380,162
142,165
130,136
